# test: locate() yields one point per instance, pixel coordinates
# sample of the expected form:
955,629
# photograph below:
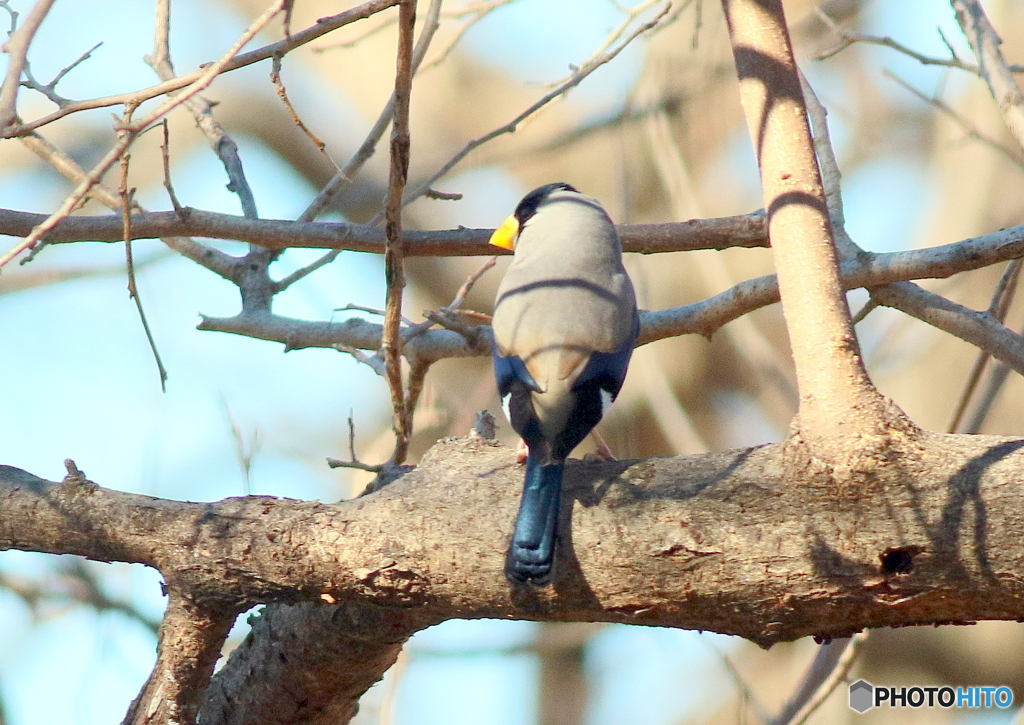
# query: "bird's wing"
607,370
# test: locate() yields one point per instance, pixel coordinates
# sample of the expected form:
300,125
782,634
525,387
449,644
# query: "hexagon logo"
862,696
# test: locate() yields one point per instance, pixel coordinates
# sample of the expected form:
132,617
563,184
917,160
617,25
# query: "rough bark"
701,542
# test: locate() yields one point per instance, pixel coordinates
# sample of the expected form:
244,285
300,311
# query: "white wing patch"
506,401
606,401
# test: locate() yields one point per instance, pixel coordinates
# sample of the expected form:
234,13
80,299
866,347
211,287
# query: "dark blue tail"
532,553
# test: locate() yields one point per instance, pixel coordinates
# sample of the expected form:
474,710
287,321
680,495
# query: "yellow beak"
505,236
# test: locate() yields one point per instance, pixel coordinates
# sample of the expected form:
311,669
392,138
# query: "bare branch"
394,253
848,38
133,288
190,641
969,128
50,89
628,560
133,131
998,307
16,47
202,111
212,259
978,328
322,27
996,380
585,70
744,230
74,583
369,145
831,665
992,66
353,460
830,372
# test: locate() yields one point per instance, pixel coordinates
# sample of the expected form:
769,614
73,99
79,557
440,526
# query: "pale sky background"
73,666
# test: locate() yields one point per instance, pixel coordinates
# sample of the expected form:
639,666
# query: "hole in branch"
899,560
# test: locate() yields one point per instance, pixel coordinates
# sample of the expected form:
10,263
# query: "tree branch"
394,251
16,48
369,145
189,644
132,132
322,27
963,322
744,230
702,542
835,391
985,42
307,663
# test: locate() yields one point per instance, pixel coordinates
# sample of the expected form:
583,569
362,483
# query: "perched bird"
565,322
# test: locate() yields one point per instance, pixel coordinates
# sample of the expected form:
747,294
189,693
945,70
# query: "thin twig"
291,42
969,128
467,286
479,14
282,93
831,666
585,70
208,257
16,47
631,14
353,461
375,361
369,145
444,316
848,38
136,128
303,272
394,254
50,89
1002,296
760,711
202,111
126,195
992,67
165,153
345,174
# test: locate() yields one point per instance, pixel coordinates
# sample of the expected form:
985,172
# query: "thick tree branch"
703,542
835,392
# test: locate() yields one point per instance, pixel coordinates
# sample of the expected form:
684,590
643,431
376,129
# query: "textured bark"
190,642
755,542
307,663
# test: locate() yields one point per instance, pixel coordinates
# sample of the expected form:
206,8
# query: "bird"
565,323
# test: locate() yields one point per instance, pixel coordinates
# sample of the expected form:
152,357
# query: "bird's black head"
528,206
